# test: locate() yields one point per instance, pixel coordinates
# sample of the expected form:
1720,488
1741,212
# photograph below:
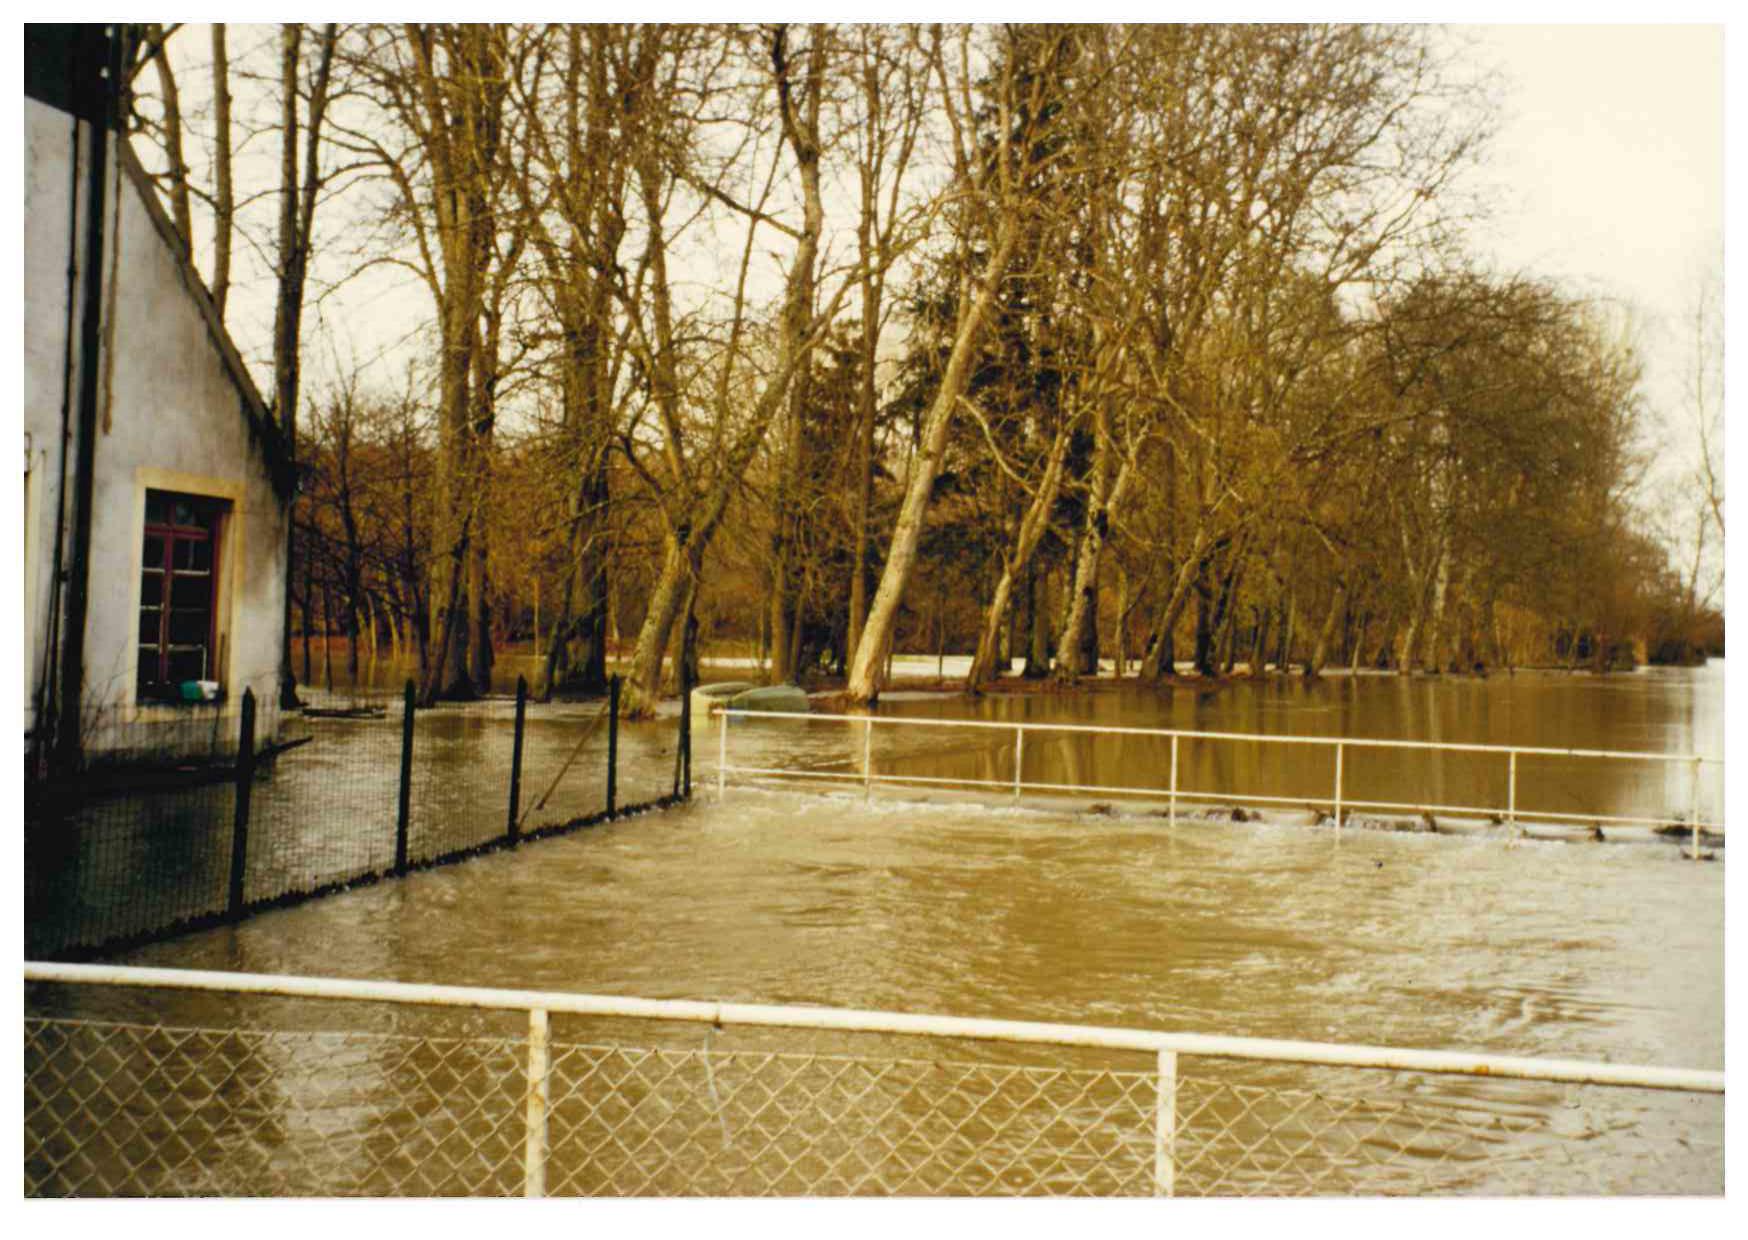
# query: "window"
178,594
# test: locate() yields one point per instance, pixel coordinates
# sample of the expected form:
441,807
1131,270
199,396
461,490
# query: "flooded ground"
1570,951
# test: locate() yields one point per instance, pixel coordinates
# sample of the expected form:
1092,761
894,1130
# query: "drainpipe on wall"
45,727
68,741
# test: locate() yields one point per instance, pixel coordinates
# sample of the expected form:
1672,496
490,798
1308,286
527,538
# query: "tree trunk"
224,198
1289,623
1033,524
1320,652
295,229
172,123
1259,642
643,686
864,458
328,638
1160,660
308,607
1122,628
865,670
800,127
1038,629
1078,651
1204,652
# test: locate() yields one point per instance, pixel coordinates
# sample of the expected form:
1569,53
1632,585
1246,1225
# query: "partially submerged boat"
745,695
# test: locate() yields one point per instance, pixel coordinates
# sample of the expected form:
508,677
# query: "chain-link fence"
611,1097
347,791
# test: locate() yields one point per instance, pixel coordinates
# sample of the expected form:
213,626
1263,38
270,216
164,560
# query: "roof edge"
255,413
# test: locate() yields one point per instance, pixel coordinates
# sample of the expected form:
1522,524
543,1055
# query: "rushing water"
1569,950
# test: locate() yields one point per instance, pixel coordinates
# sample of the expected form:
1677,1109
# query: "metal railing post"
405,802
721,752
240,821
686,729
613,746
539,1096
512,829
1693,807
1165,1127
1338,755
1015,784
1171,803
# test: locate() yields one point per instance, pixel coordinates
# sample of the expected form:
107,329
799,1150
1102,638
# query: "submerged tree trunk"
1033,524
1259,642
1205,602
1037,665
1121,654
1320,652
644,685
1161,658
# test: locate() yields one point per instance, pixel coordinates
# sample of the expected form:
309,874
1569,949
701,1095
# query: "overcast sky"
1610,167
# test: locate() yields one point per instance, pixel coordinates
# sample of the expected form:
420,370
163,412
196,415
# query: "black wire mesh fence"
346,793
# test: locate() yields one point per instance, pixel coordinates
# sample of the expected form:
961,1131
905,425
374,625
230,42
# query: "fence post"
245,784
613,746
1019,755
406,794
1693,807
1171,803
1165,1127
1511,792
868,758
512,829
722,752
1338,753
686,727
539,1095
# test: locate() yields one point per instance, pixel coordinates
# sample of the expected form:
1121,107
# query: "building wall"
170,416
48,150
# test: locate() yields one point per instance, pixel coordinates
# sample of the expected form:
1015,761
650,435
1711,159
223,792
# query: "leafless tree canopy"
1034,343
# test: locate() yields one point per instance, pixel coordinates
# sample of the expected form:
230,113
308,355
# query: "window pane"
188,628
191,592
200,556
148,626
157,507
148,665
153,554
187,665
151,589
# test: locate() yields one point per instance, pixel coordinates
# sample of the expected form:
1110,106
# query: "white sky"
1609,165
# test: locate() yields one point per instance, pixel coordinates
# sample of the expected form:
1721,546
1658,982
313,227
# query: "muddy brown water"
1559,950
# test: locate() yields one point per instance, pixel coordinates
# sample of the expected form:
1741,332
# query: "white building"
157,487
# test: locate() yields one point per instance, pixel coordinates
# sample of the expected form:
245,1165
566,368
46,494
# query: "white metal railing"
48,1082
1339,801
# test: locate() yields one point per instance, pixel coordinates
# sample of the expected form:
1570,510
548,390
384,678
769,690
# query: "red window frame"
174,522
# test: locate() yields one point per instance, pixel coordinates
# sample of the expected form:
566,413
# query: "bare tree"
992,187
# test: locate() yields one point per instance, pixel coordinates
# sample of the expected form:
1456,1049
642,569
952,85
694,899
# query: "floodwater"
1576,951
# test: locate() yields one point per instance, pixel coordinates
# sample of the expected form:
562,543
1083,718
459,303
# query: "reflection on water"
1665,710
1540,949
